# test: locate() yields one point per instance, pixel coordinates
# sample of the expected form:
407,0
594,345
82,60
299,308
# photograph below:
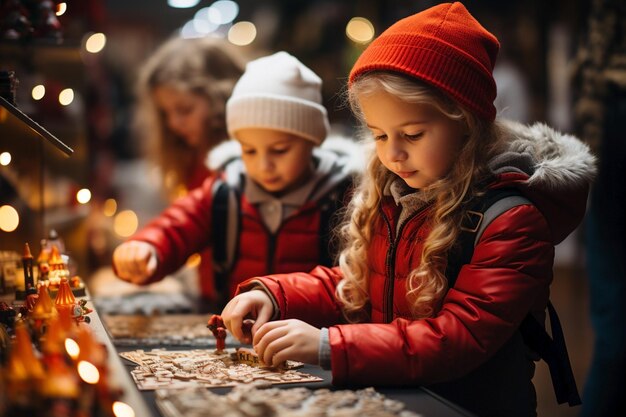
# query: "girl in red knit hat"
448,243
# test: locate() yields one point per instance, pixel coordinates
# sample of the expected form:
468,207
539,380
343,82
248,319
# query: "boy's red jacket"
184,228
508,277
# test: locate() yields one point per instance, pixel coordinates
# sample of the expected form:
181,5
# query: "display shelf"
14,120
118,375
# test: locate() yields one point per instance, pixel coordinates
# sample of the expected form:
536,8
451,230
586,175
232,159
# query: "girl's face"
279,162
415,141
185,114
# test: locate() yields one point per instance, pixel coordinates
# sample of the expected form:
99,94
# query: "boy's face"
279,162
415,141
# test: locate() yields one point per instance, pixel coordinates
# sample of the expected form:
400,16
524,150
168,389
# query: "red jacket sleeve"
509,275
181,230
306,296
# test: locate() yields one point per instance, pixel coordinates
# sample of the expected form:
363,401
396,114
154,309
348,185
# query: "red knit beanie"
443,46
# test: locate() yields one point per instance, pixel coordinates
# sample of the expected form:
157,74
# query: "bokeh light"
88,372
110,207
72,348
223,12
201,22
121,409
61,8
5,158
182,4
193,261
125,223
360,30
9,218
242,33
83,196
66,96
38,92
95,43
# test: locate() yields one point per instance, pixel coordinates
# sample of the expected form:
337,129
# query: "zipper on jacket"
390,264
271,249
272,237
271,245
388,281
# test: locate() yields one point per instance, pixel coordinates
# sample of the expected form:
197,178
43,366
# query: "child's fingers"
227,308
134,261
139,256
260,332
234,320
246,328
269,332
151,264
264,315
126,269
287,339
278,343
282,355
226,313
133,271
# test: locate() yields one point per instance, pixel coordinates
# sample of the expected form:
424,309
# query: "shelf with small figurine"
53,268
51,362
22,275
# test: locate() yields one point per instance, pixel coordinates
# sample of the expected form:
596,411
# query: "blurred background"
77,79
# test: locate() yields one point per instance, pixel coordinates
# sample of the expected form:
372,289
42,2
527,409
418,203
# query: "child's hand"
256,305
278,341
135,261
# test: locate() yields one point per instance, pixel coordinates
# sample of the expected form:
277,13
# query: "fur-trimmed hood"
553,170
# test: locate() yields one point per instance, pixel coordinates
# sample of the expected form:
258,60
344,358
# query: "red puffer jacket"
184,228
471,343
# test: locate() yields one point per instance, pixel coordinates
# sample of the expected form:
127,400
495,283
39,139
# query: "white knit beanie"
278,92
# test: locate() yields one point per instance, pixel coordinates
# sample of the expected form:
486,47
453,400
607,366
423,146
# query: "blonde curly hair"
208,67
427,284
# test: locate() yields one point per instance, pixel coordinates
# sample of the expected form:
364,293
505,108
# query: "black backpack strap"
553,350
329,219
478,215
225,224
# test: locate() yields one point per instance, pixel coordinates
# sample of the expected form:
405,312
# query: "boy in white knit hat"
270,208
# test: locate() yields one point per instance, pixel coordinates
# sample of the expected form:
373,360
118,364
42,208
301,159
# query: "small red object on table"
217,327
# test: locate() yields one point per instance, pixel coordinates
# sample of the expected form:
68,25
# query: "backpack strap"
551,349
478,215
329,219
225,225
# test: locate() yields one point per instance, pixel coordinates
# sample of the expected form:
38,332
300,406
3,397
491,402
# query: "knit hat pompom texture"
443,46
278,92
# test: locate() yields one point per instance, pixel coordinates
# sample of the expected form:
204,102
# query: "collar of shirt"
274,210
255,194
410,199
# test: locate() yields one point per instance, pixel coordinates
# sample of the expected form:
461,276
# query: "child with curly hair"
404,307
